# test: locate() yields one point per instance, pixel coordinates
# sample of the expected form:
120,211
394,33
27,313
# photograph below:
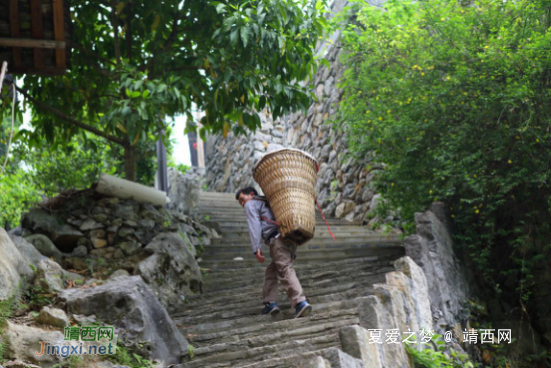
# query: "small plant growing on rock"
434,356
37,297
127,358
74,361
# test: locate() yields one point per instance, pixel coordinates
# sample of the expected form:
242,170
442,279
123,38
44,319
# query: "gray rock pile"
89,231
94,237
183,189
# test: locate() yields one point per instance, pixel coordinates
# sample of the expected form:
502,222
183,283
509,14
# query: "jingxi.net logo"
82,341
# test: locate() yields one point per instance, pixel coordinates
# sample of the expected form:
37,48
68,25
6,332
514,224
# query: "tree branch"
69,119
115,24
129,31
87,51
100,70
172,37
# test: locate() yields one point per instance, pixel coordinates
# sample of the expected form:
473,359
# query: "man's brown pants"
282,267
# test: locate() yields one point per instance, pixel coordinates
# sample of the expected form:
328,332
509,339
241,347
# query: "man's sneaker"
271,309
303,309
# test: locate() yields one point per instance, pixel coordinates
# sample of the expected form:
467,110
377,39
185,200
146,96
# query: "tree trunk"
129,162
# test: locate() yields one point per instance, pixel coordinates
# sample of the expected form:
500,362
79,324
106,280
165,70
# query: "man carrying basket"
262,226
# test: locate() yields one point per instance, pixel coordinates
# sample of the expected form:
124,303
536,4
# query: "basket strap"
323,216
267,219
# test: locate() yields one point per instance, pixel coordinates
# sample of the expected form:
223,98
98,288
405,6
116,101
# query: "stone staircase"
224,324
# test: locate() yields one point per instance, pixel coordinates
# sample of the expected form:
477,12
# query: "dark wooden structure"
35,36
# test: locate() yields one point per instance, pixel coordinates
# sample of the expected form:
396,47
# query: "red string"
326,224
267,219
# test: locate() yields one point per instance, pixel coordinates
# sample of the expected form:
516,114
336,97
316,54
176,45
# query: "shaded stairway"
224,324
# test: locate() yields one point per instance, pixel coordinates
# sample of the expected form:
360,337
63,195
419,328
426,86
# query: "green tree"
44,171
136,63
452,99
76,164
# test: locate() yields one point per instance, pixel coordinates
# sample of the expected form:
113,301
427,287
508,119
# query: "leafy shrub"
452,98
17,194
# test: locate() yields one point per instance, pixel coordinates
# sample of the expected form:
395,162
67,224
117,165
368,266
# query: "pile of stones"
107,227
94,236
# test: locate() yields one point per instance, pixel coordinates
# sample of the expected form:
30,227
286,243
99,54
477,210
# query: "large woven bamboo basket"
288,179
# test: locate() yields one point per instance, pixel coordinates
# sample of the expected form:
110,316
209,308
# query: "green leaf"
245,35
233,37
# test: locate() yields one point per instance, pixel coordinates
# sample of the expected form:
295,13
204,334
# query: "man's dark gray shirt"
259,229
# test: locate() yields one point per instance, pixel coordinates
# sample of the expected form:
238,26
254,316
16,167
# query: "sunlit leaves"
468,88
140,63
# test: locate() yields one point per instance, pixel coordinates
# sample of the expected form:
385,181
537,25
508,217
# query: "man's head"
244,195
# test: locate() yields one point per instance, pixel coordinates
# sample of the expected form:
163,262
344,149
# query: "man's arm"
255,230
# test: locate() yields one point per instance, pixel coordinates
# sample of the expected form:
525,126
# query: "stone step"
228,354
246,256
250,304
318,244
331,357
239,215
216,209
189,327
242,229
249,293
325,266
249,261
302,327
220,281
215,285
340,242
225,325
230,236
232,221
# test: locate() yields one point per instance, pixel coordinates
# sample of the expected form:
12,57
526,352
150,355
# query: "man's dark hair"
245,191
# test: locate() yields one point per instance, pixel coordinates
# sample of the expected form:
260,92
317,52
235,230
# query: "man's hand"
259,257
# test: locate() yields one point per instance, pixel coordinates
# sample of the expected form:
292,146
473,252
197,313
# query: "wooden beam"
46,71
14,25
59,33
37,32
29,42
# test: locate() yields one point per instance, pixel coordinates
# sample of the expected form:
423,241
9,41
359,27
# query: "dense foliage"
135,63
35,173
452,99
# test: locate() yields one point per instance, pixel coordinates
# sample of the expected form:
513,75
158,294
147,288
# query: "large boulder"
129,304
13,267
39,221
27,249
53,317
449,288
45,246
63,236
171,270
51,277
23,342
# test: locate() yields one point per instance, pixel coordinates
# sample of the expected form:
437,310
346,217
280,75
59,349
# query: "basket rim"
287,149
